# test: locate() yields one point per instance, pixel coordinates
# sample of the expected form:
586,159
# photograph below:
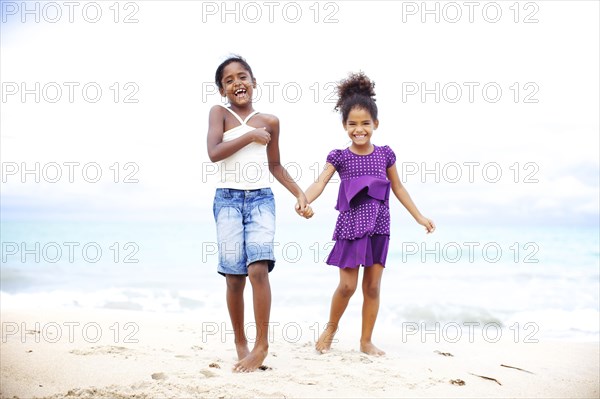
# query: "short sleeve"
335,158
390,156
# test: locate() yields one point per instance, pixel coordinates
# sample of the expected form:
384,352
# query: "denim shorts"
245,228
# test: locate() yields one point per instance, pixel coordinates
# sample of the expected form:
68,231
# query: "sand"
80,353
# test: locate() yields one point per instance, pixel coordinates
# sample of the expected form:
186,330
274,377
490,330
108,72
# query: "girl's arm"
402,195
219,150
278,171
314,191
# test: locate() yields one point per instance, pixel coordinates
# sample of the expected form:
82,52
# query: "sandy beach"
109,246
119,354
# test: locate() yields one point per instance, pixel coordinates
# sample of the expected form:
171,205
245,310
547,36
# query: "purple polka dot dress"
362,230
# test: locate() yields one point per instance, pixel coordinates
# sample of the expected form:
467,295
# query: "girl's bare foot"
324,343
370,349
242,350
252,361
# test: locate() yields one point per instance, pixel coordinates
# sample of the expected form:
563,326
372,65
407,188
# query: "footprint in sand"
366,360
103,350
305,380
208,373
159,376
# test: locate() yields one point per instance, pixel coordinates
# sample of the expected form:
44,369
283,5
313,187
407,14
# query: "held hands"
303,208
308,212
261,135
427,223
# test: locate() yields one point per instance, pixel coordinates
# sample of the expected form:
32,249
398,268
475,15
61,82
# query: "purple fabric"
365,251
355,191
364,192
350,165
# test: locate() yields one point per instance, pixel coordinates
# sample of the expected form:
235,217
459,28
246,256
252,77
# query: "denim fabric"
245,228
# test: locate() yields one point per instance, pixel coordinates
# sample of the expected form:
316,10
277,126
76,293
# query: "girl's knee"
258,272
371,291
236,284
346,289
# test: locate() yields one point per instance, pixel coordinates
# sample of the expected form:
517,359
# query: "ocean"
544,282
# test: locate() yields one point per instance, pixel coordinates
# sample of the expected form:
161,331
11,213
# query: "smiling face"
238,84
359,127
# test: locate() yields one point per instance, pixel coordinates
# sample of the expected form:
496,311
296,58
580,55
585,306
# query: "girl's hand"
307,213
428,223
303,208
260,135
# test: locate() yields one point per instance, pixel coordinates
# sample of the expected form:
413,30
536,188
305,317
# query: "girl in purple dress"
362,231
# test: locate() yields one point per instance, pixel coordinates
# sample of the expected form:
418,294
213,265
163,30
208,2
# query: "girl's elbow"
274,167
213,156
397,192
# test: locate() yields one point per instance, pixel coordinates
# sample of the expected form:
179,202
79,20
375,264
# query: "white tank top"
248,168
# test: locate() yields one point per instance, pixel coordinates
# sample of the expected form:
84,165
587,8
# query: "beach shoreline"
104,353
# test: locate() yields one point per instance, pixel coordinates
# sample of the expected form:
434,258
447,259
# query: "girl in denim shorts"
245,145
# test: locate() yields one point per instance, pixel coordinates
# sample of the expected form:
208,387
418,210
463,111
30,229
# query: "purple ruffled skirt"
365,251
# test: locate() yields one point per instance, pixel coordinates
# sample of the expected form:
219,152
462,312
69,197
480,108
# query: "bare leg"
261,296
371,286
235,305
339,302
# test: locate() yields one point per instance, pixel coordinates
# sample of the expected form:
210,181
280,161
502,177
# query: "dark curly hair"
356,91
233,58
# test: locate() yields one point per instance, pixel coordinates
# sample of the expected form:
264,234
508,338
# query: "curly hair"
356,91
221,68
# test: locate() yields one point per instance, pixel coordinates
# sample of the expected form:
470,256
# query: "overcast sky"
492,110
